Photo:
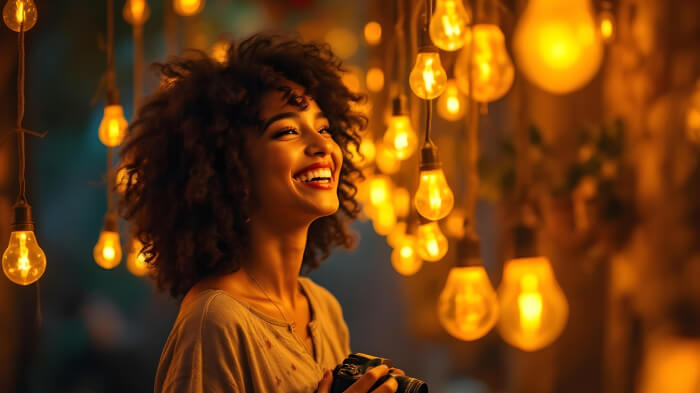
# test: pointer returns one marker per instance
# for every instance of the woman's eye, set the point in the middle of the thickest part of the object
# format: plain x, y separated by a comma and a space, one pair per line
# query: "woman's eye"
325, 129
286, 131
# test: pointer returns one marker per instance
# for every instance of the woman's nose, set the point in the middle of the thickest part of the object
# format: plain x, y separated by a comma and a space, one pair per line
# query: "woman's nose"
318, 144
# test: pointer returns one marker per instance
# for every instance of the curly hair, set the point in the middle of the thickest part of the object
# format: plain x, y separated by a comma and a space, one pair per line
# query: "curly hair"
186, 194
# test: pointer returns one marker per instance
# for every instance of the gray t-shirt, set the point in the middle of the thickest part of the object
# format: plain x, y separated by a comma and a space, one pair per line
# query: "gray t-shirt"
220, 344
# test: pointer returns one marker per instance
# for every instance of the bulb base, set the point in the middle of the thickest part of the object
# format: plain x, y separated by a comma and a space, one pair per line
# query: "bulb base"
111, 224
429, 158
469, 252
524, 241
23, 217
112, 97
398, 105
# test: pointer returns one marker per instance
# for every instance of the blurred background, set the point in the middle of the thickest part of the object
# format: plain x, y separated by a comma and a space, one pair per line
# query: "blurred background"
586, 159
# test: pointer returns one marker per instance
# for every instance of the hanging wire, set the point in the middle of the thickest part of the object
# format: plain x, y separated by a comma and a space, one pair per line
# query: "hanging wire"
20, 116
429, 103
111, 89
401, 46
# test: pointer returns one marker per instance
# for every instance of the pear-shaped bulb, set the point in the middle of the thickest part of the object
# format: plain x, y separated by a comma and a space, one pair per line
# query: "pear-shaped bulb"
449, 25
432, 244
23, 261
188, 7
19, 15
468, 306
135, 260
108, 250
400, 137
452, 105
427, 78
434, 198
113, 126
404, 257
136, 12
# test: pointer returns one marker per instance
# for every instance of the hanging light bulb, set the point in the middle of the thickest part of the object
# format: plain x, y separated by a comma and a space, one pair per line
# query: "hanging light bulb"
427, 78
606, 22
384, 219
404, 257
468, 306
692, 117
557, 45
23, 261
19, 14
434, 198
108, 250
534, 309
135, 260
491, 67
402, 202
432, 244
400, 136
136, 12
451, 105
188, 7
449, 28
113, 126
380, 188
375, 79
386, 160
373, 33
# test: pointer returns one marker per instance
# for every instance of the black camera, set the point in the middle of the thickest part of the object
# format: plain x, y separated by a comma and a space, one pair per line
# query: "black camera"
356, 364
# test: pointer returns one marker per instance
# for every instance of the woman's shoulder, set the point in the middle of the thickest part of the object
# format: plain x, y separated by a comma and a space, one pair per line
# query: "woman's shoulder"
210, 309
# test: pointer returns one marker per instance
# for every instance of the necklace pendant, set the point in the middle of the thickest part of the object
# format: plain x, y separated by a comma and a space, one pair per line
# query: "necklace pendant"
292, 326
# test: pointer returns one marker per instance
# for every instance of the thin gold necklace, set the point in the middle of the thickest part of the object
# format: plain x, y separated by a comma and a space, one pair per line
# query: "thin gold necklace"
292, 325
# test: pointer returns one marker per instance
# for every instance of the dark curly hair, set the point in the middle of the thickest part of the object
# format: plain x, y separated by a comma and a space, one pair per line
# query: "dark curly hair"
186, 194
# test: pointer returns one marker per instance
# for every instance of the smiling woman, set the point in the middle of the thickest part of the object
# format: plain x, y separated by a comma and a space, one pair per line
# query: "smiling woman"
239, 179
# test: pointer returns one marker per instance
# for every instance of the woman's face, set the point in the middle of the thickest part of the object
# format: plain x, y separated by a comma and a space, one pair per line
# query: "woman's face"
296, 162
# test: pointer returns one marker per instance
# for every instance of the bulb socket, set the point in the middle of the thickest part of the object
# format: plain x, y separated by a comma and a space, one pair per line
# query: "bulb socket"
429, 158
111, 224
398, 105
469, 251
112, 97
23, 217
523, 241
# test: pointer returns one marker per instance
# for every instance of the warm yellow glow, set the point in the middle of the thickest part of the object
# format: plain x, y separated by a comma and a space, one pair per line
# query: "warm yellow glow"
135, 260
23, 261
373, 33
402, 202
468, 306
380, 188
384, 219
108, 251
351, 80
366, 154
400, 137
434, 198
606, 25
449, 28
692, 117
113, 127
342, 41
386, 160
671, 363
432, 244
452, 104
396, 234
427, 78
491, 67
188, 7
375, 79
219, 50
404, 257
18, 13
454, 225
534, 309
557, 45
136, 12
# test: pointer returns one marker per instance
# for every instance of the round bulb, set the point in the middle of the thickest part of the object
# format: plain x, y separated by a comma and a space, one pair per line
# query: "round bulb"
434, 198
375, 79
400, 137
373, 33
386, 160
451, 105
113, 126
384, 219
557, 44
468, 306
136, 12
135, 260
449, 28
188, 7
23, 261
19, 14
402, 202
534, 309
427, 79
432, 244
491, 67
404, 257
108, 250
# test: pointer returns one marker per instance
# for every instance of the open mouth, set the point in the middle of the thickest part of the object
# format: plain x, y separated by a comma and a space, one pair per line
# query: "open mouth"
322, 177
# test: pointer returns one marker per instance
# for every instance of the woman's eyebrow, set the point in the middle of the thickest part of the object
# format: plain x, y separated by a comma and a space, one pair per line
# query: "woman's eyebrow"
285, 115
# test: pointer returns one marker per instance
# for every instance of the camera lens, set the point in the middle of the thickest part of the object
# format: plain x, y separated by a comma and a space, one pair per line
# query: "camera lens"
410, 385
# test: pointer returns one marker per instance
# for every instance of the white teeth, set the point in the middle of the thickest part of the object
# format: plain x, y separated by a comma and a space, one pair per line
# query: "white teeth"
315, 173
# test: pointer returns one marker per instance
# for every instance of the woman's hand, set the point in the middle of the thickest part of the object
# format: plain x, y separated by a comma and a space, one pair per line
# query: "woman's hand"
365, 382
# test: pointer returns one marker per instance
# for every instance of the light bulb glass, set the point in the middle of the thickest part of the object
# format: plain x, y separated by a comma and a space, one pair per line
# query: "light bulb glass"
19, 14
23, 261
373, 33
692, 117
449, 28
606, 26
434, 198
375, 79
402, 202
384, 219
400, 137
534, 309
113, 126
454, 225
404, 257
136, 12
188, 7
427, 79
468, 306
108, 251
135, 260
380, 188
432, 244
557, 44
491, 66
386, 160
219, 50
452, 105
396, 234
